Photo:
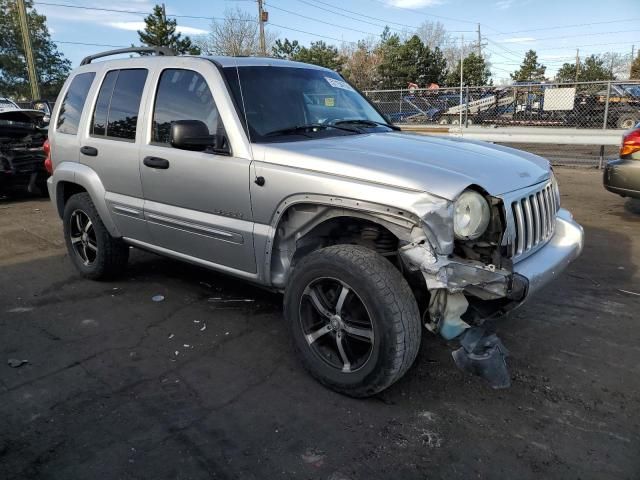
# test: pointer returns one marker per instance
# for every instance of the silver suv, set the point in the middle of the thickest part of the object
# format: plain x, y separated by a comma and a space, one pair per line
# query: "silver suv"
283, 174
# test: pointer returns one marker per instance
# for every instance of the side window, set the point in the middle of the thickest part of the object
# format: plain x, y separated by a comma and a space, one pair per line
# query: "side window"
183, 95
99, 124
116, 111
73, 103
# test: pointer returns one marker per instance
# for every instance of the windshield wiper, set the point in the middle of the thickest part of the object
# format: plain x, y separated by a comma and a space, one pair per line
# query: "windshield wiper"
302, 129
366, 121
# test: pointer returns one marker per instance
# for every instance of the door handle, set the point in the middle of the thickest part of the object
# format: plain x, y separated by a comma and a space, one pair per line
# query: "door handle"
155, 162
89, 151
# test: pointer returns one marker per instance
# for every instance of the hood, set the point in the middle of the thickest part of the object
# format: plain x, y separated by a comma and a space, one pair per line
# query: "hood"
22, 115
442, 166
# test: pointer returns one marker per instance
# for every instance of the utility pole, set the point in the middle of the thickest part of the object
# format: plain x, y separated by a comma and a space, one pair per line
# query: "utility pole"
461, 78
611, 67
479, 42
577, 63
262, 17
633, 51
28, 51
164, 14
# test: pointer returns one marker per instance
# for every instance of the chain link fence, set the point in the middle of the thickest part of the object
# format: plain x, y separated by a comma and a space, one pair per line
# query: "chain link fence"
602, 105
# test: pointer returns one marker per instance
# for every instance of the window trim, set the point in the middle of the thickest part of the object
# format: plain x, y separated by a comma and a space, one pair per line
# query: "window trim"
95, 105
155, 101
84, 104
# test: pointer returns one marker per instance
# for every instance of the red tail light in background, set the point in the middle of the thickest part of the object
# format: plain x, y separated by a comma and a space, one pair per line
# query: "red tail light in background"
47, 161
630, 143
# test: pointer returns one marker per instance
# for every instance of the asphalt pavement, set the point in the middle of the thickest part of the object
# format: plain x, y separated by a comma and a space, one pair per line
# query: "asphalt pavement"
204, 384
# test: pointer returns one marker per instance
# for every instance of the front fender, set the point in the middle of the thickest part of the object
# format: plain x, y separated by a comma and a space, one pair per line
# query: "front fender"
88, 179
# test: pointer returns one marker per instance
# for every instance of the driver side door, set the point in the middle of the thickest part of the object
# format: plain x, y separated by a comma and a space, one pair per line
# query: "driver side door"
197, 203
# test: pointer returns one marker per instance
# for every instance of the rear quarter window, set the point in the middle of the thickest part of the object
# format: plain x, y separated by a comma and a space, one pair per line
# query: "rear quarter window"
73, 103
116, 111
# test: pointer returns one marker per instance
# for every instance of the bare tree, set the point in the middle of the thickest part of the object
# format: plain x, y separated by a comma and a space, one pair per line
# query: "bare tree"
618, 64
433, 34
361, 62
237, 34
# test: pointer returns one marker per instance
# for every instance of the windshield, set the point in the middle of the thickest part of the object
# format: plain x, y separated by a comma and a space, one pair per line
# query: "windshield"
289, 103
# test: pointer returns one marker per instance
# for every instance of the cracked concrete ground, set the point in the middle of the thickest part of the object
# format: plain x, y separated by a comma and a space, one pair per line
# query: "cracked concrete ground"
120, 386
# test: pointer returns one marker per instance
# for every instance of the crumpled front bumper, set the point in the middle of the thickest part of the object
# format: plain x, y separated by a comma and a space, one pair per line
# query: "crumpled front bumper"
486, 282
552, 259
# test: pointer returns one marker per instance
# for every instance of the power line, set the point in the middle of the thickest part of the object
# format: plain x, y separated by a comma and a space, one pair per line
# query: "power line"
134, 12
568, 26
385, 22
313, 34
90, 44
578, 35
271, 5
581, 46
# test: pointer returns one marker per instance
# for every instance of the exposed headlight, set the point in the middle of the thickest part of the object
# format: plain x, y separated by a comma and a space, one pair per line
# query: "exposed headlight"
471, 215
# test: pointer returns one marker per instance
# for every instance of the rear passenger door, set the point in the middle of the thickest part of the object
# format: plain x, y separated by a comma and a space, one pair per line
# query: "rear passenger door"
110, 147
197, 203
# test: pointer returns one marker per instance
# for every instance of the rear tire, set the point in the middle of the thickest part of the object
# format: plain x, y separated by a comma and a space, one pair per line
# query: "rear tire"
627, 121
360, 342
93, 251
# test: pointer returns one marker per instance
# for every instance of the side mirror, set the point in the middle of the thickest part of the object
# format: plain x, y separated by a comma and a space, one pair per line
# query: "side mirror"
194, 135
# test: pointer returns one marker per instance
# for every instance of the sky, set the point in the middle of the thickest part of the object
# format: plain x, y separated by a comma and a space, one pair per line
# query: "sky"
554, 28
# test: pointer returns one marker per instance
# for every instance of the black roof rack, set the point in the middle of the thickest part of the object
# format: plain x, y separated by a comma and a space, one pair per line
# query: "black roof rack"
155, 50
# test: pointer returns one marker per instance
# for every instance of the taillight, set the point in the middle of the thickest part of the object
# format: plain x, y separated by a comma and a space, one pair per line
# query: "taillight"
47, 161
630, 143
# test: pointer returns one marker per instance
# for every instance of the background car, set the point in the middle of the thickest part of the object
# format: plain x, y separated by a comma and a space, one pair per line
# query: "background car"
622, 176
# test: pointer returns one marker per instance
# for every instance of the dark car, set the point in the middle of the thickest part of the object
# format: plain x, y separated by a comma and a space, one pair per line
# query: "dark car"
622, 176
22, 135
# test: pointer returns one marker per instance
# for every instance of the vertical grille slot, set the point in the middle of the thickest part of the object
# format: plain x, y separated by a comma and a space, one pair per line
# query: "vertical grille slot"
534, 219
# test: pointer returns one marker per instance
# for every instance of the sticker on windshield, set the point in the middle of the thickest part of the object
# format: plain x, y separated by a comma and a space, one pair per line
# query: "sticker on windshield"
339, 84
329, 102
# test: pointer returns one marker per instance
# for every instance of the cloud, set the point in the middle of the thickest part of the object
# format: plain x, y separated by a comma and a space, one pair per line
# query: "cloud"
135, 26
518, 40
414, 3
504, 4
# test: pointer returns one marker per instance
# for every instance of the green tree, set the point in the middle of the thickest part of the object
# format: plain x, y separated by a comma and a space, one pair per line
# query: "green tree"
593, 69
319, 53
635, 69
530, 70
410, 62
159, 31
475, 72
390, 47
51, 66
286, 50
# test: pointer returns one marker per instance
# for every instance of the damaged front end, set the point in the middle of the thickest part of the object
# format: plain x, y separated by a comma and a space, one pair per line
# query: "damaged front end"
470, 278
21, 155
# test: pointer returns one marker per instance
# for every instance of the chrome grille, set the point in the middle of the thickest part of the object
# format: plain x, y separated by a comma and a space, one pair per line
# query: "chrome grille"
534, 219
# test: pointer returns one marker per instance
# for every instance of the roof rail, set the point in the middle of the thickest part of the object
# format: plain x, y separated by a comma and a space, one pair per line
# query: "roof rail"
156, 50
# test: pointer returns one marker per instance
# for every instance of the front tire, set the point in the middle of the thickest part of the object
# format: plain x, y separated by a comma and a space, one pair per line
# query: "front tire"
354, 321
93, 251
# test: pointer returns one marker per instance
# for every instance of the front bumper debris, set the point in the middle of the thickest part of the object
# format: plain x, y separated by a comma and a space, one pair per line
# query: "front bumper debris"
487, 282
454, 283
483, 354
